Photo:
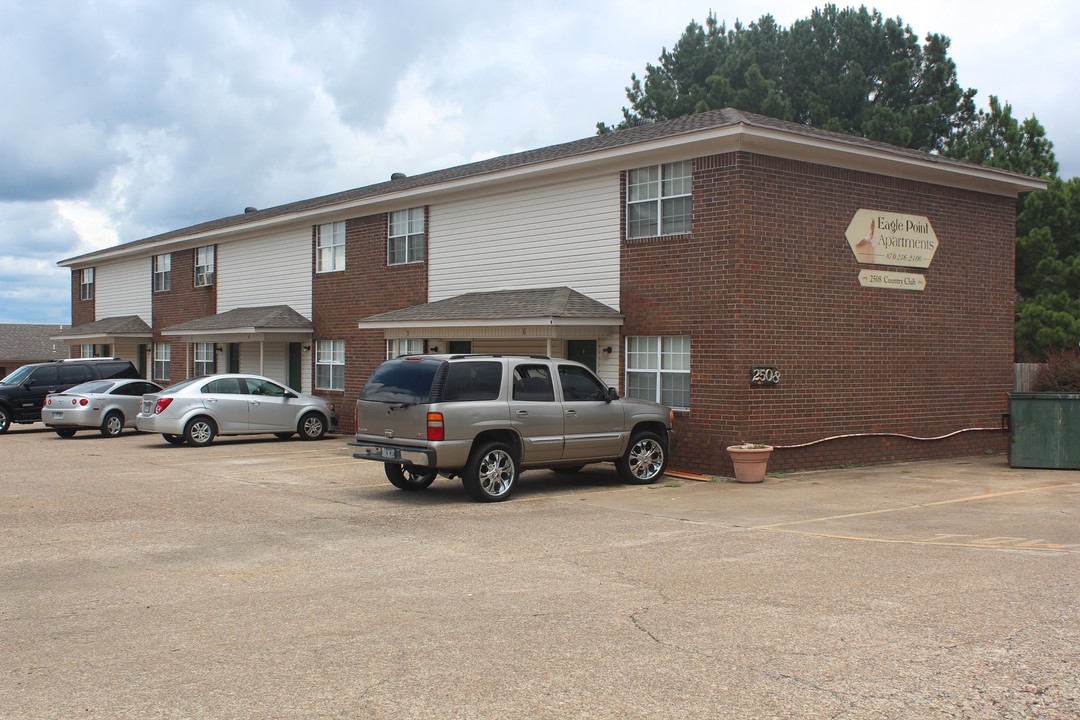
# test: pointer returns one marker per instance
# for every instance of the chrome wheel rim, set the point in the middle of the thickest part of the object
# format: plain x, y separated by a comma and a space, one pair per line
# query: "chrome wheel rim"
113, 426
496, 473
646, 459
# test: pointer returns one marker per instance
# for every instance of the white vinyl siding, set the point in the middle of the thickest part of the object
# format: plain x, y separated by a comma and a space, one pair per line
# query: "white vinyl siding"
273, 269
122, 288
564, 234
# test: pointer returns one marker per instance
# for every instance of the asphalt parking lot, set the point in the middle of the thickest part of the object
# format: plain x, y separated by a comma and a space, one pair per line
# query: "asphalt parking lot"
265, 579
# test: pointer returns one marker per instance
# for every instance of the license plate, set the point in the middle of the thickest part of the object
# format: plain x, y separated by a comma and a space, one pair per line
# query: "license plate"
58, 416
146, 408
389, 453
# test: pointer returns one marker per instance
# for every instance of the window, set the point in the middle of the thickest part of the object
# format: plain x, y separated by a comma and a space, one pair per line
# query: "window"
204, 359
162, 353
162, 272
86, 351
204, 266
473, 381
406, 237
330, 364
532, 383
578, 384
404, 346
658, 369
659, 200
86, 284
330, 248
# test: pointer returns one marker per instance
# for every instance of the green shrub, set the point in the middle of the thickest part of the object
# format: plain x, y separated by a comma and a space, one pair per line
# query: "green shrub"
1060, 374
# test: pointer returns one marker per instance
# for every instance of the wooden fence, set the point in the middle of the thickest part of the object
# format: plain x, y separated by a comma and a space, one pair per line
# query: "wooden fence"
1024, 376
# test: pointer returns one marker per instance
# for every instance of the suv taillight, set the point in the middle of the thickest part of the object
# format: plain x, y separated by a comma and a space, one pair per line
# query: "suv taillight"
162, 403
435, 430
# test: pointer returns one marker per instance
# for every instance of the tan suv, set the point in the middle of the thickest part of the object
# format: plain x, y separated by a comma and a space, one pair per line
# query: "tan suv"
484, 418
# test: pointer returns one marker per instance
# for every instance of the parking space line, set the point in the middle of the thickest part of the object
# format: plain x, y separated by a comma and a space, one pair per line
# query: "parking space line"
954, 501
980, 543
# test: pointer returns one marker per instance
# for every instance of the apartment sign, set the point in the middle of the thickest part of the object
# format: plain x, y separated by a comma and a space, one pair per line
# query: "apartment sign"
878, 237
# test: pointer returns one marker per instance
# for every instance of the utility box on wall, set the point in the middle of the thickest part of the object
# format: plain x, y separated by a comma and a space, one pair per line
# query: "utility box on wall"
1044, 430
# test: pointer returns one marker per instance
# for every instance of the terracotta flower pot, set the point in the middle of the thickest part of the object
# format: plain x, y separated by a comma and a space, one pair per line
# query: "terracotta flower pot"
751, 461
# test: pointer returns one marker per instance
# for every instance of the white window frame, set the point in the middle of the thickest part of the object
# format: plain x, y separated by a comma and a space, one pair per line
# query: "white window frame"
330, 364
404, 346
405, 236
86, 284
162, 272
86, 351
204, 265
162, 361
203, 359
330, 247
659, 200
658, 369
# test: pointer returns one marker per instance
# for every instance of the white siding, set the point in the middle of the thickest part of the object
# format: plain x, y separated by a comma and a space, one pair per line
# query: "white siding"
274, 269
123, 288
565, 234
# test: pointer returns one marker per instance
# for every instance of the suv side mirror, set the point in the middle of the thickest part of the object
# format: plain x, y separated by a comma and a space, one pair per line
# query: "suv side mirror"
612, 394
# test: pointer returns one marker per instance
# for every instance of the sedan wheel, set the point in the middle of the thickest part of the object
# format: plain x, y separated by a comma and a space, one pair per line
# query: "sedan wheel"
174, 439
491, 473
312, 426
645, 460
5, 420
200, 431
113, 424
66, 432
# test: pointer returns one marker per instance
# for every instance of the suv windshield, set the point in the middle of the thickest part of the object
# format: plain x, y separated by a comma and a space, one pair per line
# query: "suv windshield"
407, 380
17, 377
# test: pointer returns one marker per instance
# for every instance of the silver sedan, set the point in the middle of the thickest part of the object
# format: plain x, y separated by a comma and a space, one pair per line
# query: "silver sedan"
108, 406
198, 410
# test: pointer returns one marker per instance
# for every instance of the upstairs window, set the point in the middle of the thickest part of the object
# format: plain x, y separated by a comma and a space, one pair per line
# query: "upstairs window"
406, 237
204, 266
659, 200
162, 272
86, 284
330, 248
658, 369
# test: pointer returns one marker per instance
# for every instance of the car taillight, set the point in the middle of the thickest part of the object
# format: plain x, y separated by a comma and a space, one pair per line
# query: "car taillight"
435, 429
162, 403
84, 402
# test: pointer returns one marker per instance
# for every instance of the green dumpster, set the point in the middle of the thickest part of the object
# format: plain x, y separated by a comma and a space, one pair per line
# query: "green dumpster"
1044, 430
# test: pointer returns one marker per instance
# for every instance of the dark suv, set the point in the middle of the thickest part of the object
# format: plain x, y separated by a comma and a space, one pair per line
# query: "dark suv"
483, 418
23, 392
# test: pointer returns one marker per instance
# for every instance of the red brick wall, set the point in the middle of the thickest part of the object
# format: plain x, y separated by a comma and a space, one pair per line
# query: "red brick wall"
367, 286
767, 278
182, 303
82, 311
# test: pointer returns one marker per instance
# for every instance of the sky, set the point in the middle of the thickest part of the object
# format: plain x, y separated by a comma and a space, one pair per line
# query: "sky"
121, 119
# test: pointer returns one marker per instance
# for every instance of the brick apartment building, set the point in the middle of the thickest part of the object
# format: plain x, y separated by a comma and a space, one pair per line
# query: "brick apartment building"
844, 300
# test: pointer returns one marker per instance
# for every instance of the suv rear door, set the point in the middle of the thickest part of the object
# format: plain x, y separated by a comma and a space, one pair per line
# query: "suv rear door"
536, 413
394, 403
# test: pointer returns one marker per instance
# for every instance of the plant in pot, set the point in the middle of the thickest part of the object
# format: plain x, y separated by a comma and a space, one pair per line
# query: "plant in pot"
751, 460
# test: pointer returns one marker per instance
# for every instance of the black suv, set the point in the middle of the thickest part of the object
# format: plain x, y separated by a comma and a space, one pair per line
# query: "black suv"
484, 418
23, 392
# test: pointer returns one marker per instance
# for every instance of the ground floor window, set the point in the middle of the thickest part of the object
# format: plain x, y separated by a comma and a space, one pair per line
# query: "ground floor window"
330, 364
658, 369
404, 346
162, 356
204, 359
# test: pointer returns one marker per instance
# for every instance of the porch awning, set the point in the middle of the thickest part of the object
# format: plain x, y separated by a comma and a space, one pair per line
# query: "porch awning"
107, 331
556, 312
269, 323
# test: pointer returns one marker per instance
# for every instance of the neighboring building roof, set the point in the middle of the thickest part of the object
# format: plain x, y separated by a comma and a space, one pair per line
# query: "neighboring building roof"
764, 129
119, 326
27, 342
270, 318
550, 305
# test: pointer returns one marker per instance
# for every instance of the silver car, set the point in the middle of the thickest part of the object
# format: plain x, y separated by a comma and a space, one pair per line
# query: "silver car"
108, 406
198, 410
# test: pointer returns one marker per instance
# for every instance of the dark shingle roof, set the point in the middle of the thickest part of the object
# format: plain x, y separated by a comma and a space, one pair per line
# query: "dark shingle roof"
272, 317
129, 325
710, 120
28, 342
556, 302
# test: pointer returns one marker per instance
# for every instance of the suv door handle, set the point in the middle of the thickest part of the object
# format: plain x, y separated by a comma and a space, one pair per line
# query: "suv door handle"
571, 413
523, 413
